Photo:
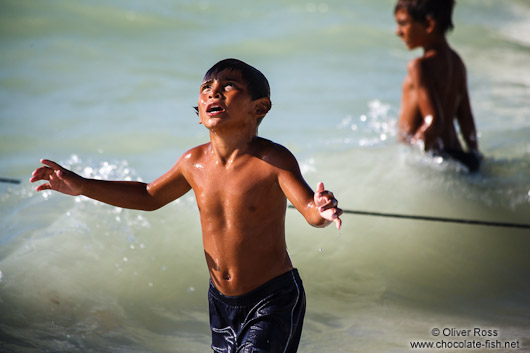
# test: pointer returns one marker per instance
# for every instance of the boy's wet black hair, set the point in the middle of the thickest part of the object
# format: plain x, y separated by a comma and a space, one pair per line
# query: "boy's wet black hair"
440, 10
257, 84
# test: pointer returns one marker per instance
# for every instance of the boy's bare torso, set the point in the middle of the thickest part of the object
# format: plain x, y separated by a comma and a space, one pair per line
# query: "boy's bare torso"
242, 210
443, 72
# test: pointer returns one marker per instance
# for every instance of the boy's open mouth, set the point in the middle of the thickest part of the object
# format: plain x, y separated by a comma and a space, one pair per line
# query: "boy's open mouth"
214, 109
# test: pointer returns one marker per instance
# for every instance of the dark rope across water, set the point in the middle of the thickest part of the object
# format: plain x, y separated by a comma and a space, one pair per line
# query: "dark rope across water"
9, 181
437, 219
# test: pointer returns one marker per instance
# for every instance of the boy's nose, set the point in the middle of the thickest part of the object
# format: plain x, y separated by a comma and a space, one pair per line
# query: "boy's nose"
215, 92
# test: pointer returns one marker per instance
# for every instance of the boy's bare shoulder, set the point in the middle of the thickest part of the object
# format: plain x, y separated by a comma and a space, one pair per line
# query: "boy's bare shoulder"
457, 57
418, 68
414, 64
434, 61
275, 154
458, 62
421, 64
194, 154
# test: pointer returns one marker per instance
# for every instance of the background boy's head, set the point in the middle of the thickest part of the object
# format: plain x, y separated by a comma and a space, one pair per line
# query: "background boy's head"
440, 10
257, 84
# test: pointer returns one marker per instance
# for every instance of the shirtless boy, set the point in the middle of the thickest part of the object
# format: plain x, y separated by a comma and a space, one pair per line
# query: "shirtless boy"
435, 89
241, 183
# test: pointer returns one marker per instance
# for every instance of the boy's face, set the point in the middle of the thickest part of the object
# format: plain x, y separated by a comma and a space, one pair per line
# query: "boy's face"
224, 99
412, 32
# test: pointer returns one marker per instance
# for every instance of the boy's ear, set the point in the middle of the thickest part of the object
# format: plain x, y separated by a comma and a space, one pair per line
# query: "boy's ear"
430, 24
262, 106
197, 112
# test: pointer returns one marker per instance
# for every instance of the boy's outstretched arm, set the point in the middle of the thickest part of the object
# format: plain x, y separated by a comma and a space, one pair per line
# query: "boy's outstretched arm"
318, 208
125, 194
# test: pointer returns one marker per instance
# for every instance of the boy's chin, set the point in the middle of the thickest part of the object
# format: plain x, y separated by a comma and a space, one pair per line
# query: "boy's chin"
412, 46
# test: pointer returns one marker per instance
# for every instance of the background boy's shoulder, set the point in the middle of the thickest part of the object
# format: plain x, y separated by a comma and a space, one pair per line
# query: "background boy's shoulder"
421, 63
458, 61
419, 67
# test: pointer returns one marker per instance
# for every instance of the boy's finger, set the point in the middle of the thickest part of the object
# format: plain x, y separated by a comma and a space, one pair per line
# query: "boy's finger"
40, 173
330, 203
337, 222
43, 187
50, 164
320, 187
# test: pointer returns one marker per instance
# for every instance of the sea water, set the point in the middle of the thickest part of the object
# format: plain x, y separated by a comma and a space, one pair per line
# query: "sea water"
107, 88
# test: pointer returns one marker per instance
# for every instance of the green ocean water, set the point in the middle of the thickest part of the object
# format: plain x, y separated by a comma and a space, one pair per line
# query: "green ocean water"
108, 87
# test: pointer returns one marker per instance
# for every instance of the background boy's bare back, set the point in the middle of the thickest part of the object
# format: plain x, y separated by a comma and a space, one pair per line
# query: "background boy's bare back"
438, 76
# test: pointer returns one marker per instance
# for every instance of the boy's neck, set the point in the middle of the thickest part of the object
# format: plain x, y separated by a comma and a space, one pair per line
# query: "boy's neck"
436, 42
227, 146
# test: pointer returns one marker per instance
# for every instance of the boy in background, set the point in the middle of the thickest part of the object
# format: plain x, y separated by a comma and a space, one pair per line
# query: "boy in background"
435, 89
241, 184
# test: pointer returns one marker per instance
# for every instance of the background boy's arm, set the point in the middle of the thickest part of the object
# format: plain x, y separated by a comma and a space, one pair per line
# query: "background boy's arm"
465, 119
429, 106
126, 194
318, 208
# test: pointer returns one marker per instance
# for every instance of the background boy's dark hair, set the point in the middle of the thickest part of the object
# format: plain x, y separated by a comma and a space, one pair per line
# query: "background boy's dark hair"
440, 10
257, 83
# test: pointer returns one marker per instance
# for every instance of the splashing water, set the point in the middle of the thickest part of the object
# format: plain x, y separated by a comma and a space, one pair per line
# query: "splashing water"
376, 127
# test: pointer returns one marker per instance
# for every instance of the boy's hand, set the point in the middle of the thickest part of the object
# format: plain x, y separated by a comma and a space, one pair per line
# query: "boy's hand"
59, 179
327, 205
